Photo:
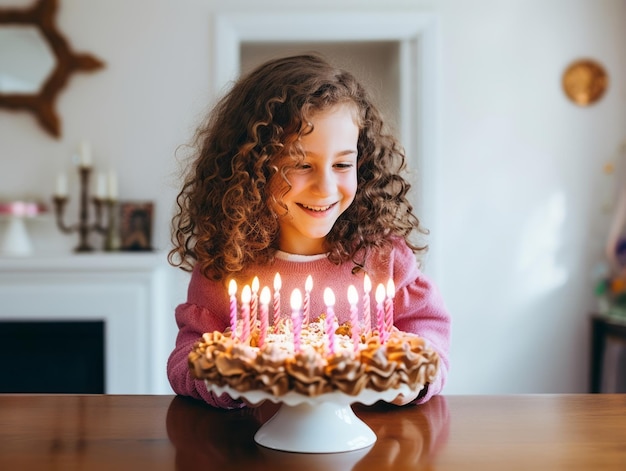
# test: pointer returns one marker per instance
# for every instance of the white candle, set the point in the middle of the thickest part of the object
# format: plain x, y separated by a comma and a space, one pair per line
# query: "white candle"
112, 185
101, 186
353, 298
85, 154
61, 185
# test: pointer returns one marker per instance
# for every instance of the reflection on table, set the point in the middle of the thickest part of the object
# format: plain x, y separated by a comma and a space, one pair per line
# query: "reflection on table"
204, 437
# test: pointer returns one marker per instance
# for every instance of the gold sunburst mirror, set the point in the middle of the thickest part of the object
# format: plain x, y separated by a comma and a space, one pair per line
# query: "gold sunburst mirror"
36, 62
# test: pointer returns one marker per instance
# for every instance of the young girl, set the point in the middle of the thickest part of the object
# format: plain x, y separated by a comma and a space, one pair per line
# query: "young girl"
296, 174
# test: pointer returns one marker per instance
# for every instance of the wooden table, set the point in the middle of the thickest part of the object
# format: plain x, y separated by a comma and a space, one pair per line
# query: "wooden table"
107, 432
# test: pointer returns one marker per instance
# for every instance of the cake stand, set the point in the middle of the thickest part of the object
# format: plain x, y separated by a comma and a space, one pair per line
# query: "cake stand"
15, 241
320, 424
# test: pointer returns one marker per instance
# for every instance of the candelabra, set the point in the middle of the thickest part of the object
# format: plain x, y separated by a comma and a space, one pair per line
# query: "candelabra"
84, 227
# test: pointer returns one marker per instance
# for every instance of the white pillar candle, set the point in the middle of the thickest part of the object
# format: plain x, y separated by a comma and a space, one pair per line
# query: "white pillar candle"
85, 154
61, 185
112, 185
101, 186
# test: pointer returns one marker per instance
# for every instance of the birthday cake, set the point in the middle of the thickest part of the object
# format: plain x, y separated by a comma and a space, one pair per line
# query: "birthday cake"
313, 361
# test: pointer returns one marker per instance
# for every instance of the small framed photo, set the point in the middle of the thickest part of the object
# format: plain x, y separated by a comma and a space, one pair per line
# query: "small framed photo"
136, 225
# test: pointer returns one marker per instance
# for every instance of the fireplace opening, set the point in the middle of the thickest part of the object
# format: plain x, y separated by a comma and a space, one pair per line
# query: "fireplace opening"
65, 357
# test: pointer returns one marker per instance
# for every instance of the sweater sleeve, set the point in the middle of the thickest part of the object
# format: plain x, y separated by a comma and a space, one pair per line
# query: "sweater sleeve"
193, 320
419, 308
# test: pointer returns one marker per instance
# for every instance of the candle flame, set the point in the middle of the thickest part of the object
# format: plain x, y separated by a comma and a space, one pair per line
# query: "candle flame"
296, 299
353, 296
246, 294
265, 295
255, 284
380, 293
232, 287
329, 297
308, 285
391, 288
278, 283
367, 283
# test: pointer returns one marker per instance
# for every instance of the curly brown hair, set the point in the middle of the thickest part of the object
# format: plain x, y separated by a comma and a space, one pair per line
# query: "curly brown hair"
246, 147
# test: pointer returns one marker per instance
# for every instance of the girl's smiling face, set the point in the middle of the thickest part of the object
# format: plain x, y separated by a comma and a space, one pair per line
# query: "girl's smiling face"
324, 185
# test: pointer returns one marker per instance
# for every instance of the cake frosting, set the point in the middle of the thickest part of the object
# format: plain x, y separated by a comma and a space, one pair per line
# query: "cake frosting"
277, 367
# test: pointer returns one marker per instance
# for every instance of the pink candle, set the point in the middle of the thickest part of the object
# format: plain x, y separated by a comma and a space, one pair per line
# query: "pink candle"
246, 294
277, 285
232, 291
329, 300
367, 312
380, 313
296, 319
353, 298
254, 302
391, 292
265, 301
308, 286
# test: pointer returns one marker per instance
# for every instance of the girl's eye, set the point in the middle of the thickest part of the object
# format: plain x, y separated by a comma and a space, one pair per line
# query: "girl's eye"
344, 165
303, 166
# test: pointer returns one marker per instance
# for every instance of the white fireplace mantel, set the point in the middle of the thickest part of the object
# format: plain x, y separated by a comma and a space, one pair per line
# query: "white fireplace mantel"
133, 293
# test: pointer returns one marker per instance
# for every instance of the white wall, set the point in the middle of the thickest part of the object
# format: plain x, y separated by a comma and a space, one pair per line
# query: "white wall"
520, 221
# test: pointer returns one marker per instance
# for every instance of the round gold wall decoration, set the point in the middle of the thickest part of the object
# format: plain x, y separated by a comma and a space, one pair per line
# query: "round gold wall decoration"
585, 82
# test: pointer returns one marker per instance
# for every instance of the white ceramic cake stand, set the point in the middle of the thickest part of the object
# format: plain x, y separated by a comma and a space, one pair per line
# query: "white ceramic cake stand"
320, 424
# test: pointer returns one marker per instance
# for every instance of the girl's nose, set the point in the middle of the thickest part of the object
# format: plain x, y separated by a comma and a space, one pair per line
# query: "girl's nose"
324, 183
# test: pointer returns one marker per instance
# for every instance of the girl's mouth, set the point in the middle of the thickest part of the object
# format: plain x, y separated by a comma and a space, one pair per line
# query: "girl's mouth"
316, 209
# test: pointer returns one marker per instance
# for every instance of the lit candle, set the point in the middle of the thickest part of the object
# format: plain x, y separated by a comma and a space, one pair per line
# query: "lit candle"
246, 294
85, 154
391, 292
296, 319
112, 185
353, 298
254, 303
101, 186
61, 185
308, 286
329, 300
367, 312
277, 285
380, 313
265, 301
232, 291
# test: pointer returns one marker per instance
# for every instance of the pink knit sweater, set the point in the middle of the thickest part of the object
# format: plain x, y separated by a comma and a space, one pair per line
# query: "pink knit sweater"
418, 308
